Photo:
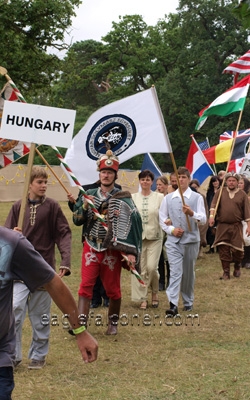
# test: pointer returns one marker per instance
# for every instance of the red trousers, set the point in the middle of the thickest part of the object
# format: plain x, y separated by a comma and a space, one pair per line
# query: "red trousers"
107, 265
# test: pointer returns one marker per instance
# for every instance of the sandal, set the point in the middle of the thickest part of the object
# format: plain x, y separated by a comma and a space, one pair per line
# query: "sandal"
144, 305
155, 303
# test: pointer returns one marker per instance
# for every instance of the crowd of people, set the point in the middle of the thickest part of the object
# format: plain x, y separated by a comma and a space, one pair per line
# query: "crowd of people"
160, 234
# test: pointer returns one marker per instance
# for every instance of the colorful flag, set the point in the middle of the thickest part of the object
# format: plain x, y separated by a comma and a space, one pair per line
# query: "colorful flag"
234, 165
231, 101
197, 164
240, 66
221, 152
230, 134
149, 163
10, 150
131, 126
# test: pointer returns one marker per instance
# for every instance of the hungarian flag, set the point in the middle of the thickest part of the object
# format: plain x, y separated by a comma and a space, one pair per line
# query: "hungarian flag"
221, 152
231, 101
240, 66
10, 150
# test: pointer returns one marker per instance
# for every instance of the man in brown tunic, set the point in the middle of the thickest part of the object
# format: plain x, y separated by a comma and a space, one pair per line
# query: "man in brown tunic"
233, 208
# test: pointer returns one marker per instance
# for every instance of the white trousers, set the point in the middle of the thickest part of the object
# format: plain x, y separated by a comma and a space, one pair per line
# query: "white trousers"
37, 304
182, 259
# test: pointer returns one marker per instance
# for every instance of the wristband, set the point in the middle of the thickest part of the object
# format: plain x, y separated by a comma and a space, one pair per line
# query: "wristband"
79, 330
172, 231
211, 216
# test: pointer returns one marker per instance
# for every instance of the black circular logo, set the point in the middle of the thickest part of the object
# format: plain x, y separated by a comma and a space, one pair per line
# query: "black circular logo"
117, 130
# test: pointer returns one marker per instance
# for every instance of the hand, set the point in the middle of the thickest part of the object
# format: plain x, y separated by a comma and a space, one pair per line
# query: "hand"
17, 229
62, 272
71, 198
88, 346
178, 232
168, 222
131, 258
187, 210
211, 221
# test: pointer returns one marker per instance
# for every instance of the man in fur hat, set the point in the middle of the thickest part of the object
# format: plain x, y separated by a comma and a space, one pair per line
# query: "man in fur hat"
233, 208
102, 247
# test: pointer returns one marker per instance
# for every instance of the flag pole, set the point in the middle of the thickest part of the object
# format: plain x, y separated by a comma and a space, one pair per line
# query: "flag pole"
215, 171
52, 171
171, 153
228, 163
3, 71
200, 151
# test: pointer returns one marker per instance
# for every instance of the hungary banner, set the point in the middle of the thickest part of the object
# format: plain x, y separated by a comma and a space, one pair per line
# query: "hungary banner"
231, 101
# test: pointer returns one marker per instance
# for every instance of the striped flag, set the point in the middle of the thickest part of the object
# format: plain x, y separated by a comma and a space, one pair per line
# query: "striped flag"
10, 150
221, 152
230, 101
196, 162
240, 66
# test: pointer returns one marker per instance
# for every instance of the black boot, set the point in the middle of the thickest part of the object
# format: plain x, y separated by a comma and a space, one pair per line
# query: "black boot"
226, 270
173, 310
237, 271
113, 315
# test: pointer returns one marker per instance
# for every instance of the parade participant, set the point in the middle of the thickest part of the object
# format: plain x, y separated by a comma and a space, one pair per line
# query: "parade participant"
46, 227
233, 208
102, 248
148, 204
182, 243
20, 261
173, 185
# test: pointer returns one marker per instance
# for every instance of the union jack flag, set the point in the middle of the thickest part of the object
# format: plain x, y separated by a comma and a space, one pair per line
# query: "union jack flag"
234, 165
230, 134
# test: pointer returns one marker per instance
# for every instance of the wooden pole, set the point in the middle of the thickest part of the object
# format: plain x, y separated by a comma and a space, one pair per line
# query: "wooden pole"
3, 71
53, 172
171, 153
26, 185
228, 163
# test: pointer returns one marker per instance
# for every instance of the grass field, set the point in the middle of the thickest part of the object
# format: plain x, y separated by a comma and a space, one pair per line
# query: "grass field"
205, 357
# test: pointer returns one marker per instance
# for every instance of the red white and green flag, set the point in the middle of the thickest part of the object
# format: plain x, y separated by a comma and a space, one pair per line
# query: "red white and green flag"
10, 150
231, 101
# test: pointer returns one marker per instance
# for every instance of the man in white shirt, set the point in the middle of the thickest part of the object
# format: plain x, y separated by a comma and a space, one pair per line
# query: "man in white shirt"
183, 240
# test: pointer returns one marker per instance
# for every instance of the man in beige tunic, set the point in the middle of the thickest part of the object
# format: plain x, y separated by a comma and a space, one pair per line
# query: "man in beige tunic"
233, 208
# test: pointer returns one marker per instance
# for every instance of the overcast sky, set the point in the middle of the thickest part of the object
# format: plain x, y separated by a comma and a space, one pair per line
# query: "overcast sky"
94, 17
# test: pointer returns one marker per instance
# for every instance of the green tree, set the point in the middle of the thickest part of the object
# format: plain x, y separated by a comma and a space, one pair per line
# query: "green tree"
29, 30
209, 35
183, 56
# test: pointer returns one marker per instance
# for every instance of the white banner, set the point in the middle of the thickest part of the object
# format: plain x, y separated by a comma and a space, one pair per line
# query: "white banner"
131, 126
245, 167
37, 124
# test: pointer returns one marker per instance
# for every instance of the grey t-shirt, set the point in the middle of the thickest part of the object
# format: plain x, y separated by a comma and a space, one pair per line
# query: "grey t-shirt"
18, 261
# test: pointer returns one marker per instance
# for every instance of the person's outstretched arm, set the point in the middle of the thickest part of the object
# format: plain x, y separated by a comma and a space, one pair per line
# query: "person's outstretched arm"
63, 298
